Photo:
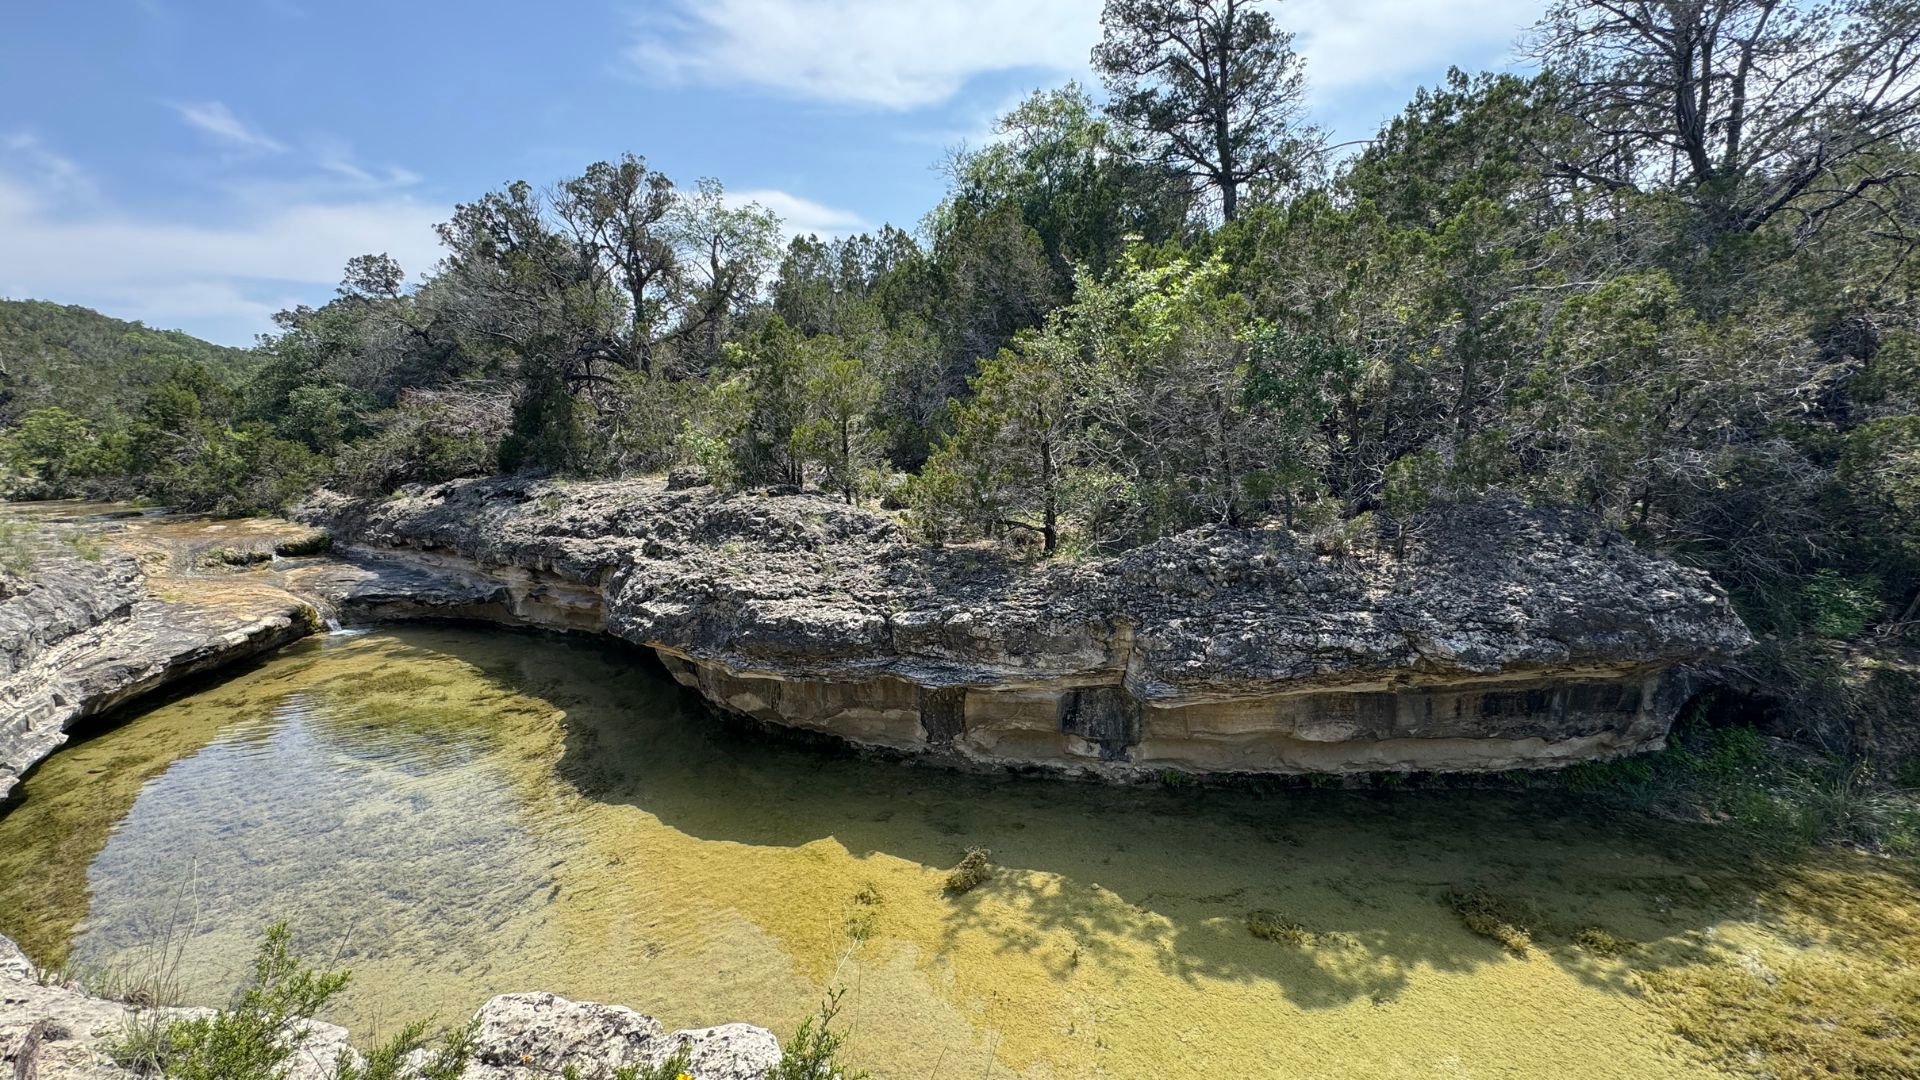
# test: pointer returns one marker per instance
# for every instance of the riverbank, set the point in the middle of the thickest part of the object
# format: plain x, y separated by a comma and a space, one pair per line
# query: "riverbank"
52, 1028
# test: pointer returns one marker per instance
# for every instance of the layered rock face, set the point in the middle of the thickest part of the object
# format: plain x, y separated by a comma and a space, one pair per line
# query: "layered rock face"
1492, 637
84, 633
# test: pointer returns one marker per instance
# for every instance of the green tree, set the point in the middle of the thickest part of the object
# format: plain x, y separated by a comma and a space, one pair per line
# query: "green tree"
1216, 86
841, 392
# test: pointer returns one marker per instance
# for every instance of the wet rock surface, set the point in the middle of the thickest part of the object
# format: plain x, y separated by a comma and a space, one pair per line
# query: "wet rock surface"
1491, 637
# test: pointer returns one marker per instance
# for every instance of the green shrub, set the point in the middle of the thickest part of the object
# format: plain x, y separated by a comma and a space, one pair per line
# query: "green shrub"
1839, 608
388, 1061
253, 1038
814, 1051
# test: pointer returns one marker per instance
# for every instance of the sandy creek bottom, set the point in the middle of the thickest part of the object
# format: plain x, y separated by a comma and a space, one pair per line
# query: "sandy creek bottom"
455, 813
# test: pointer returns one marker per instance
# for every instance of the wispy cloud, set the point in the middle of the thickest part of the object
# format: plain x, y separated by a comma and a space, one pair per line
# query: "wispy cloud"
800, 216
215, 119
222, 279
879, 53
902, 56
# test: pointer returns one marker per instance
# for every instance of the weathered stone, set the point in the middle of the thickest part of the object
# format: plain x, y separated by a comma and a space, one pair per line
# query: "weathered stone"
517, 1036
1498, 637
78, 1029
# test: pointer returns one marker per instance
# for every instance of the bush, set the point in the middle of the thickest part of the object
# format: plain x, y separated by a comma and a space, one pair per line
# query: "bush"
253, 1039
814, 1051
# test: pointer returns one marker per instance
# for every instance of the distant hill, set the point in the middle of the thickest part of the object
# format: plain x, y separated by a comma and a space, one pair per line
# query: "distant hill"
92, 364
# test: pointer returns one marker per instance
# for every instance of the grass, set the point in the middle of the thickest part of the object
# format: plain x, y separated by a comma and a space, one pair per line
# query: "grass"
1508, 923
85, 544
16, 548
1783, 801
974, 869
253, 1038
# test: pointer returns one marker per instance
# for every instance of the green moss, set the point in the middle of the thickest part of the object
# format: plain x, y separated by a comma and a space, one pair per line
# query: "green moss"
1600, 943
314, 543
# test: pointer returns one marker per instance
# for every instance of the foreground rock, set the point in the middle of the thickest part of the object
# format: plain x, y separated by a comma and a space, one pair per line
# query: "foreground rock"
1496, 638
65, 1034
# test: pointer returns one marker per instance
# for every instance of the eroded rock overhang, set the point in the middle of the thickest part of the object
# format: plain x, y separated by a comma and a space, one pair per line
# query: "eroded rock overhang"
1490, 637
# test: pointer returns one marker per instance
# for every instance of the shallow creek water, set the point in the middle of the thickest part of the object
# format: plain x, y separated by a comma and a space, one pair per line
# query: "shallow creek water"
455, 813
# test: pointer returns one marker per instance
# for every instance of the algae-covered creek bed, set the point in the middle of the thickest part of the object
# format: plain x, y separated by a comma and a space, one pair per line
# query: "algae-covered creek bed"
455, 813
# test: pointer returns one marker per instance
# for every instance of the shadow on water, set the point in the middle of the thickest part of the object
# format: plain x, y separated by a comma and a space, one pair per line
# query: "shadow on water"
1181, 868
479, 811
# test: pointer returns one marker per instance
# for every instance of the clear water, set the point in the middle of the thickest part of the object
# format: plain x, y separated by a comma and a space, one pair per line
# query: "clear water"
455, 813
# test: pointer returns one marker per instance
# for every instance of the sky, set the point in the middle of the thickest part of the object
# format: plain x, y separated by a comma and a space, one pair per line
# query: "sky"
201, 164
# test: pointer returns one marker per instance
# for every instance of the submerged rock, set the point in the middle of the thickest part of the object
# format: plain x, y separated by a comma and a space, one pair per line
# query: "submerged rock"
1496, 637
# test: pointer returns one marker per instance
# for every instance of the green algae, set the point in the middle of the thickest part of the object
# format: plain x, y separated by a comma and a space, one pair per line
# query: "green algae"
457, 813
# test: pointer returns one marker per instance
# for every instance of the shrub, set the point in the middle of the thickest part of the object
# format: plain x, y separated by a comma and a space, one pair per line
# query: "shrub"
254, 1038
814, 1051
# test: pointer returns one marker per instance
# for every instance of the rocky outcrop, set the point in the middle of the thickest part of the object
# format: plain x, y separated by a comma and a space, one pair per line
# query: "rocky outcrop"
82, 635
1491, 637
63, 1033
110, 611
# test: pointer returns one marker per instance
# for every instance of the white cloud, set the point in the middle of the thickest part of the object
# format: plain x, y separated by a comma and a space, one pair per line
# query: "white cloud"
799, 216
1354, 43
215, 119
897, 55
883, 53
221, 280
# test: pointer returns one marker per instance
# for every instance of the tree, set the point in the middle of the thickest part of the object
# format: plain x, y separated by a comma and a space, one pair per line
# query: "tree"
1005, 463
1077, 179
1750, 108
1215, 86
728, 251
842, 391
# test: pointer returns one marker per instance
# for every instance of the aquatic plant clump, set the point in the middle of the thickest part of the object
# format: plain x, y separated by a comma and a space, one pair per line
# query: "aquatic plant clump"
1272, 926
1507, 923
974, 869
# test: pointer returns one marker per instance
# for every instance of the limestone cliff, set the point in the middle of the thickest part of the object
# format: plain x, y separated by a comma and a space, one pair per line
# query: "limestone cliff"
1491, 637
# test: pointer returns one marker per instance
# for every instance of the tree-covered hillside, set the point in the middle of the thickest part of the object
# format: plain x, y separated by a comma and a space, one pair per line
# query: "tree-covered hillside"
93, 365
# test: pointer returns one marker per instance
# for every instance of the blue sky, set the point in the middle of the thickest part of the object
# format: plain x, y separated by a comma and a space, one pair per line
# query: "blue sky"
202, 163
